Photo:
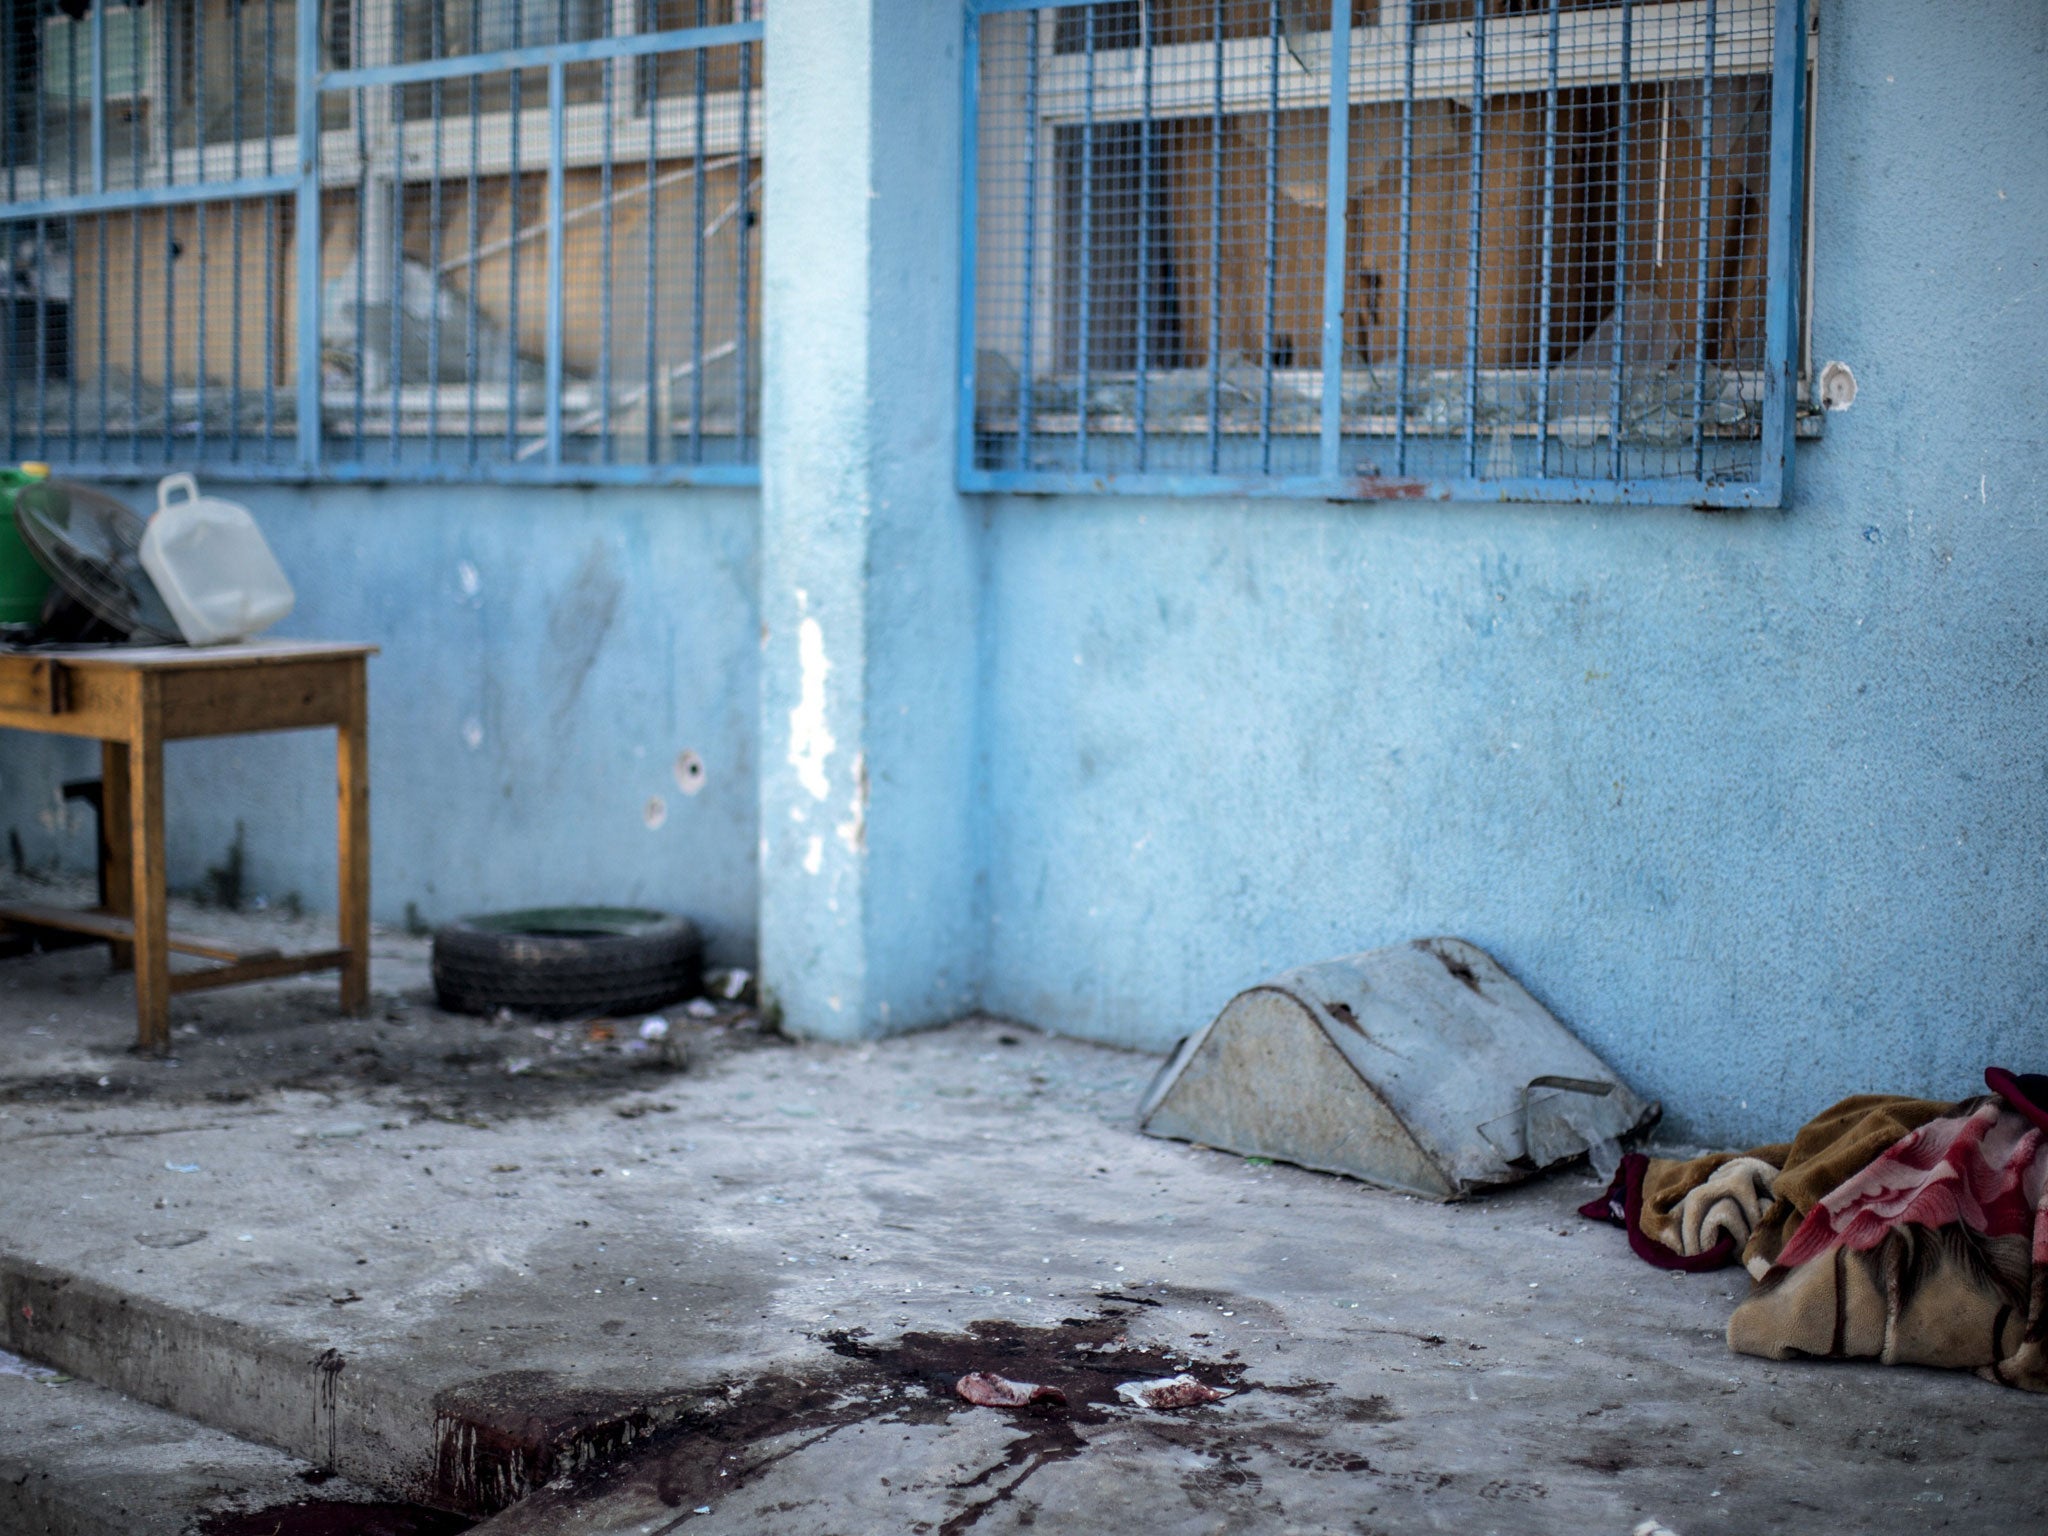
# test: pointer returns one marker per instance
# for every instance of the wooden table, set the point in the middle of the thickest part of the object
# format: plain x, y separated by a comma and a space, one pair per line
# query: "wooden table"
133, 700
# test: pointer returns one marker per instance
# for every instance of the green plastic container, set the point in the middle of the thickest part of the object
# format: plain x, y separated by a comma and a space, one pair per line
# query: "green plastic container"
23, 581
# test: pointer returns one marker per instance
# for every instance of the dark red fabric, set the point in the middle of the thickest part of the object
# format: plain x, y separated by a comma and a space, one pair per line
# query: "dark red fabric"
1612, 1207
1622, 1206
2025, 1092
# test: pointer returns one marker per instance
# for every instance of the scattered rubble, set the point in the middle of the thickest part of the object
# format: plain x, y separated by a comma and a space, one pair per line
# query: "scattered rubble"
417, 1061
1182, 1391
28, 1370
984, 1389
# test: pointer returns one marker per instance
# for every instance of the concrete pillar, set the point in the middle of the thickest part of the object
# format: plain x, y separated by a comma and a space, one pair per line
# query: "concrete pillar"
871, 898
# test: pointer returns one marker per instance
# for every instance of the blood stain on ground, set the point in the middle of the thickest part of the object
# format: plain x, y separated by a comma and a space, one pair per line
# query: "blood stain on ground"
332, 1517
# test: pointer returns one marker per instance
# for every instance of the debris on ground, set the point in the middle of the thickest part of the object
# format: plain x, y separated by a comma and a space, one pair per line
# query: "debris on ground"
1423, 1067
985, 1389
417, 1060
734, 984
1903, 1230
14, 1365
1181, 1391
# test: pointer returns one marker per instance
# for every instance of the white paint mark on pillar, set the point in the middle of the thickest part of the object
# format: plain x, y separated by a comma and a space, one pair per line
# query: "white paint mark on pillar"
472, 733
814, 855
810, 739
469, 578
654, 813
853, 831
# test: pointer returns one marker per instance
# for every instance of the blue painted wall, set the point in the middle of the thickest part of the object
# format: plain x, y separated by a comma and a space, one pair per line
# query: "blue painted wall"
1758, 804
547, 657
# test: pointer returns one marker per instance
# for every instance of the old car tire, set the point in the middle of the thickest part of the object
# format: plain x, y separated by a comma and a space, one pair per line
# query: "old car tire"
561, 961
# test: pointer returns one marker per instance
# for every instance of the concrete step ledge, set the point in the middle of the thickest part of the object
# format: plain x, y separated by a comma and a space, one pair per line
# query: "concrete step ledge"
470, 1446
79, 1460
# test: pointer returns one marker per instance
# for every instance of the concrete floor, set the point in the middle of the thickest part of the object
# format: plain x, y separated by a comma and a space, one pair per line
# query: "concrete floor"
467, 1263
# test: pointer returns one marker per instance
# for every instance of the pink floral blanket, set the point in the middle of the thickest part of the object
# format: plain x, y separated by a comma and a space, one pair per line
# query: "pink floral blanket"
1934, 1253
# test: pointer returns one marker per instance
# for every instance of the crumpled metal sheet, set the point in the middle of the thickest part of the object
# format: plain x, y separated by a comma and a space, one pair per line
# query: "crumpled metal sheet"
1423, 1067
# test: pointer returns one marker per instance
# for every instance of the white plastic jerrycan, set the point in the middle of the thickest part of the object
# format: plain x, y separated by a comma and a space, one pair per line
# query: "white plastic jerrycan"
208, 559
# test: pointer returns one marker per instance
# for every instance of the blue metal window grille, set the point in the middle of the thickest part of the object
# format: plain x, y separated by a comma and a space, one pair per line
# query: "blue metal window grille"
534, 229
1487, 250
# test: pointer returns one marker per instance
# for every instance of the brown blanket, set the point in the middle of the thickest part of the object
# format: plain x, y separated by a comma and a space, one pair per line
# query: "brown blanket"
1829, 1148
1897, 1229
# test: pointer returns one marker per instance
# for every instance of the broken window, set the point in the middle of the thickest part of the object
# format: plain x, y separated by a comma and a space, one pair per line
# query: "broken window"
1492, 248
535, 222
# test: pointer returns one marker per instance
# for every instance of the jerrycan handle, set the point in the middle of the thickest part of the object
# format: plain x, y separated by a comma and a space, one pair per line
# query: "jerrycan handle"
170, 483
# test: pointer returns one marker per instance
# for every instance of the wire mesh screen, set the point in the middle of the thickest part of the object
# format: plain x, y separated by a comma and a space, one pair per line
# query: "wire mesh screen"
181, 93
535, 226
145, 319
1493, 247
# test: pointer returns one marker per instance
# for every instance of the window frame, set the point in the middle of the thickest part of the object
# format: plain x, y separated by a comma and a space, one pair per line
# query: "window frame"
1344, 68
724, 127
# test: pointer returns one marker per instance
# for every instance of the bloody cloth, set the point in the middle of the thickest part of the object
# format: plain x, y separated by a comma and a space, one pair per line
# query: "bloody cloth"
1936, 1253
1930, 1248
1836, 1143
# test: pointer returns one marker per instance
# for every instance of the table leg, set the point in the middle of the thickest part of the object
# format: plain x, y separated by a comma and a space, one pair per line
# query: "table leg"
146, 872
352, 763
117, 872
